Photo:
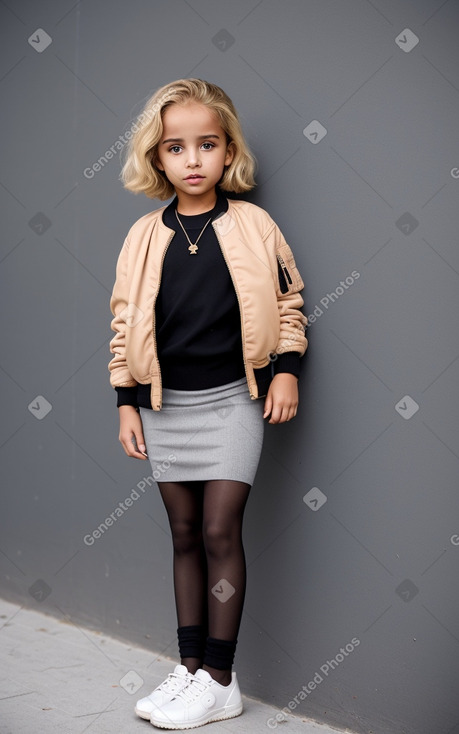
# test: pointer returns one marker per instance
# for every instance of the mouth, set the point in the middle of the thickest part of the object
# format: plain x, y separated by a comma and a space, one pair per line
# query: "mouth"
193, 176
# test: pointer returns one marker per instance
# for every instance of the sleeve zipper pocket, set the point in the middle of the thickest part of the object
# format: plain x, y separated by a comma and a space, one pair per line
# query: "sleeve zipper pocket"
284, 275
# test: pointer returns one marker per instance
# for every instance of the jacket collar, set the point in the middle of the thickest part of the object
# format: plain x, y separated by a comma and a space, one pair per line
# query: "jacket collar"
221, 206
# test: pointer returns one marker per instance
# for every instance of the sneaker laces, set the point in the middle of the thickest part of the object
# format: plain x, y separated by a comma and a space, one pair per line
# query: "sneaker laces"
172, 683
194, 689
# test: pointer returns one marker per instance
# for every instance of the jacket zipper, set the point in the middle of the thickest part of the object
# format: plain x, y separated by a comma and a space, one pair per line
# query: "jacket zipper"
285, 271
154, 319
253, 397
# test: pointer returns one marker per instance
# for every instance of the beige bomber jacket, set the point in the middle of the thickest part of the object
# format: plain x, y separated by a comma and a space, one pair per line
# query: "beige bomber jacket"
266, 281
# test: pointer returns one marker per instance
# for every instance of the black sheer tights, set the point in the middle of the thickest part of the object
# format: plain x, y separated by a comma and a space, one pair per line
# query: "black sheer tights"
209, 562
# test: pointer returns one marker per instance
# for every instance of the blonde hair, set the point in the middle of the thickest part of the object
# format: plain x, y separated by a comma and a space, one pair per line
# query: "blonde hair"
139, 173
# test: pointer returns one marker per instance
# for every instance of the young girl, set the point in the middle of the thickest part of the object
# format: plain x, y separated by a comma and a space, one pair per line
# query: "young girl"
207, 322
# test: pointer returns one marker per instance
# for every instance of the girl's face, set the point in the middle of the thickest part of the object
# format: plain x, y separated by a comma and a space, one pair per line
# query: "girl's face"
192, 151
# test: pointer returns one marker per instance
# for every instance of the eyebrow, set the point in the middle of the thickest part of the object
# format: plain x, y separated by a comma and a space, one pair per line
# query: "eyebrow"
180, 140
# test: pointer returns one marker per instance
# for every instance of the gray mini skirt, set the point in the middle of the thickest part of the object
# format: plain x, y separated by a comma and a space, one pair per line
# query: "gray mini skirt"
216, 433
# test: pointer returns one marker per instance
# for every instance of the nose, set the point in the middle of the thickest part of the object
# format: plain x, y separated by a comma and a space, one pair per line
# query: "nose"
193, 158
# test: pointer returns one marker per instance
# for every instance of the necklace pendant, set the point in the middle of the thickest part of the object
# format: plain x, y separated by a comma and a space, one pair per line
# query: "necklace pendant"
193, 249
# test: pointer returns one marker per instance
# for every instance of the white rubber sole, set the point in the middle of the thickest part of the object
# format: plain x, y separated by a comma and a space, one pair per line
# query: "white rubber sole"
142, 714
229, 713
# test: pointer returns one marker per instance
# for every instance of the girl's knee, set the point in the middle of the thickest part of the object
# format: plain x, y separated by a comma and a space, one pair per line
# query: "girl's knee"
220, 540
186, 537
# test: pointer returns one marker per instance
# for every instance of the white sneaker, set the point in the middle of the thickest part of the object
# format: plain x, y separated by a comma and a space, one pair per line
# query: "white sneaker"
164, 692
199, 702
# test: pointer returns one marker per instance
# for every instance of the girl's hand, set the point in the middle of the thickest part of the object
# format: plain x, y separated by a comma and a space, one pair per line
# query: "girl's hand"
131, 428
282, 398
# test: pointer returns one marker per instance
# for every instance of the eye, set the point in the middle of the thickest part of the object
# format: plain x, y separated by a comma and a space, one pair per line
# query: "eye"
175, 148
211, 145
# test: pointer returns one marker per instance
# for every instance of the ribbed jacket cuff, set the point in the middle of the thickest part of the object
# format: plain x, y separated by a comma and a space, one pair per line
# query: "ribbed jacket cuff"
288, 362
127, 396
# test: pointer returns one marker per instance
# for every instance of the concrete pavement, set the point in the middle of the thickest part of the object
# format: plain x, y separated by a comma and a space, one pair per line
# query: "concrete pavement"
60, 678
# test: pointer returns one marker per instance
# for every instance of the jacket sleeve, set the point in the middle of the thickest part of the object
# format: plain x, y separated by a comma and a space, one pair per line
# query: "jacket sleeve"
119, 306
289, 283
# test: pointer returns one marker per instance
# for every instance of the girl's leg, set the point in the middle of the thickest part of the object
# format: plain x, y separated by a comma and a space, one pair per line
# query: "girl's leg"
184, 506
223, 511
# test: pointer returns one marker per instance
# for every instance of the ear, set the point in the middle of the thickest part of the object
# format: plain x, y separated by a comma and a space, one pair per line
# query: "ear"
230, 153
155, 162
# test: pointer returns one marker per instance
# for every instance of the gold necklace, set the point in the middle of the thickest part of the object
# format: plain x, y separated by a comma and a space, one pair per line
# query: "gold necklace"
193, 248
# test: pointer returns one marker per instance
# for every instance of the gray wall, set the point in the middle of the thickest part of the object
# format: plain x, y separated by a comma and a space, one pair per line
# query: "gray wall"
352, 527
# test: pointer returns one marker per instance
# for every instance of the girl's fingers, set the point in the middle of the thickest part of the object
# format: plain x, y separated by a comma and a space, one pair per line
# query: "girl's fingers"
141, 444
268, 405
131, 433
276, 413
282, 413
130, 448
